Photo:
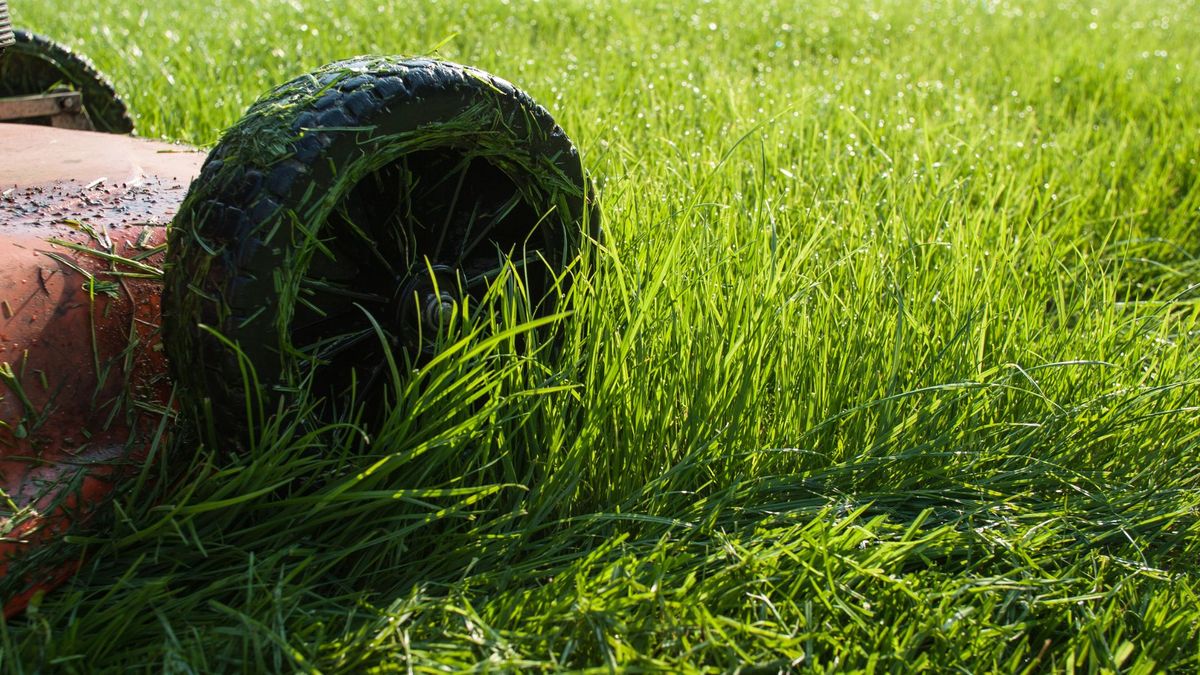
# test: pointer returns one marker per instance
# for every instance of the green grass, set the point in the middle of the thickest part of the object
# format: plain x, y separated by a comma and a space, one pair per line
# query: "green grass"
890, 360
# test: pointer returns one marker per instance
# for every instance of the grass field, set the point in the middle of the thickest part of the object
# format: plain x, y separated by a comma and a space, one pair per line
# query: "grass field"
889, 360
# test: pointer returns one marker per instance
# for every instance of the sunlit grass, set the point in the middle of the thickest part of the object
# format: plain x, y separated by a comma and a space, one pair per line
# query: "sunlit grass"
889, 356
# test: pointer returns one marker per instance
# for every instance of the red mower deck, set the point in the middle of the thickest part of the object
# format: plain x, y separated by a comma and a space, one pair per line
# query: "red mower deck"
83, 384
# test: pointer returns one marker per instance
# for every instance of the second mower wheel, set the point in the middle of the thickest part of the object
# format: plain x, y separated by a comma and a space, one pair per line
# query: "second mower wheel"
35, 65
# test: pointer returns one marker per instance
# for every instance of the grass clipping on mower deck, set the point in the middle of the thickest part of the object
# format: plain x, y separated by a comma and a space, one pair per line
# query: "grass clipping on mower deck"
295, 232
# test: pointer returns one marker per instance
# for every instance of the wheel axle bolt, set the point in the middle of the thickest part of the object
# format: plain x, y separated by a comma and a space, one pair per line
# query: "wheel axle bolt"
439, 310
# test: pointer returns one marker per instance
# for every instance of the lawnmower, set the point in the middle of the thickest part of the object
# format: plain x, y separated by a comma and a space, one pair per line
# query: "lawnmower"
353, 216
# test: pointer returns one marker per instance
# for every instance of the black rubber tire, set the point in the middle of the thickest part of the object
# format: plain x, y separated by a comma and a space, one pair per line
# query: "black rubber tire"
322, 152
35, 64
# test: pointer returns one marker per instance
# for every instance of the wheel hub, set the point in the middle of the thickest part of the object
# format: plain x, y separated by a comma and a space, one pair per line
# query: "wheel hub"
439, 310
428, 303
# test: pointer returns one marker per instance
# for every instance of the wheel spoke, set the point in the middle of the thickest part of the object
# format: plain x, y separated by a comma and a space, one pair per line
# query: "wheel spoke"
328, 347
503, 212
480, 278
450, 208
314, 316
324, 287
370, 247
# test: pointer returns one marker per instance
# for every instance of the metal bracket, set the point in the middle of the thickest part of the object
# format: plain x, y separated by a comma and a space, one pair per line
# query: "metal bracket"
6, 33
62, 109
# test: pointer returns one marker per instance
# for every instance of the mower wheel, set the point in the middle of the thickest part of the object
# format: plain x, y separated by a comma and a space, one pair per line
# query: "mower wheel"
361, 209
34, 64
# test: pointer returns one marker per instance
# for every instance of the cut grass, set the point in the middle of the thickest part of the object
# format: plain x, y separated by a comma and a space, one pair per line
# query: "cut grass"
888, 360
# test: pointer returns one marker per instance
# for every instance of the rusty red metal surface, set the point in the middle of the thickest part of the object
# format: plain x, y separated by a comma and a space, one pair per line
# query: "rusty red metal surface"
83, 388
